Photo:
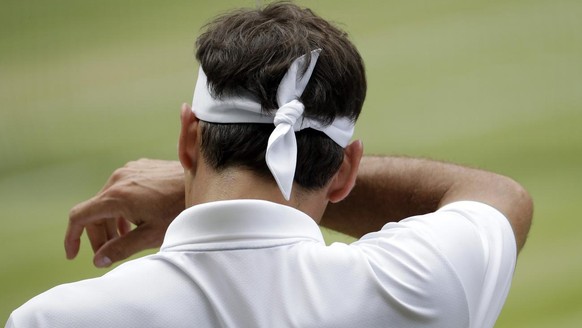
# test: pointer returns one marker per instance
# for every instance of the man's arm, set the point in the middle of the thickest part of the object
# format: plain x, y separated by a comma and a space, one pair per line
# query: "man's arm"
150, 194
147, 193
392, 188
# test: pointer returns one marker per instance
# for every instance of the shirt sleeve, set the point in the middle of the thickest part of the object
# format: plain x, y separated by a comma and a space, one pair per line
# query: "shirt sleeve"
457, 261
485, 267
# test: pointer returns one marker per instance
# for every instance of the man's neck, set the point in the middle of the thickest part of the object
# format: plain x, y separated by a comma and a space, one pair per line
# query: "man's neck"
209, 186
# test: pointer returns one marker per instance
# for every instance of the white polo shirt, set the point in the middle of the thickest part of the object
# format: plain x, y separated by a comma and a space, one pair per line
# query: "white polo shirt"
251, 263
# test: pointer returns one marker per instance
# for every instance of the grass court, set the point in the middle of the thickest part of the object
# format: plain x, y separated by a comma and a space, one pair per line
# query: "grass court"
86, 86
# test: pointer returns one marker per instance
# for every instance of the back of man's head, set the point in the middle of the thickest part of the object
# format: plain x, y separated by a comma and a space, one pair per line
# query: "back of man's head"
247, 52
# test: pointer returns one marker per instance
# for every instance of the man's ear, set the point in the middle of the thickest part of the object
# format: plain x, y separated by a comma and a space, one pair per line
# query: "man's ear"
345, 179
188, 142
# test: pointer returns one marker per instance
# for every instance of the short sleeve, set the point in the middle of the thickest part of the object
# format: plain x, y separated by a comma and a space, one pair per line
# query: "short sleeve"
455, 262
484, 257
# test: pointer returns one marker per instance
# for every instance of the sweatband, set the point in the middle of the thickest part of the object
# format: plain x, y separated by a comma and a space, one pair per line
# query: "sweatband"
281, 154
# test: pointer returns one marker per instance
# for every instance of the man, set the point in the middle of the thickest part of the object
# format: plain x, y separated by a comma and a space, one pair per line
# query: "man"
263, 150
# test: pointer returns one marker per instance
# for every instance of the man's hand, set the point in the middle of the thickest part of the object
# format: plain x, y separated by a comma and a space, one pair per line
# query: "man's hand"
147, 193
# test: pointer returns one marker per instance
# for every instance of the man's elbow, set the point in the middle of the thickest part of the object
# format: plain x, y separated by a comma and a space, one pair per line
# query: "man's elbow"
520, 211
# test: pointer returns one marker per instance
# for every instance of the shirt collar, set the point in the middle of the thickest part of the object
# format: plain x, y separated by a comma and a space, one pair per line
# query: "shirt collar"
239, 224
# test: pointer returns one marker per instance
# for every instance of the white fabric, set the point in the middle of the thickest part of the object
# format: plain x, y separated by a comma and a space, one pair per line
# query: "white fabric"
281, 155
250, 263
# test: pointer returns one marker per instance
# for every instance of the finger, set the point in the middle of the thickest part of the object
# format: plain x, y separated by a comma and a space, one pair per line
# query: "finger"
72, 244
111, 229
123, 226
82, 215
101, 232
122, 247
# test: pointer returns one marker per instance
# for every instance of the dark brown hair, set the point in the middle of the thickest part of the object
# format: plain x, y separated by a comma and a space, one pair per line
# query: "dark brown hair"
248, 51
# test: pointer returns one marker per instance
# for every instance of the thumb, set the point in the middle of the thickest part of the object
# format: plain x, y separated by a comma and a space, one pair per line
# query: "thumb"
122, 247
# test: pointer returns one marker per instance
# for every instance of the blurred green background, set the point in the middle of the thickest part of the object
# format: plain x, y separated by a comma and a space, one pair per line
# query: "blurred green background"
86, 86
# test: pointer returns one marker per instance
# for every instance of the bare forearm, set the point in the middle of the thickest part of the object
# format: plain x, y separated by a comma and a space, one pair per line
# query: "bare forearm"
381, 195
392, 188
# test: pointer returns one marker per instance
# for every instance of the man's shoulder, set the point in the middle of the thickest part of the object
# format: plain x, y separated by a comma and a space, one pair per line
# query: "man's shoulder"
97, 302
465, 250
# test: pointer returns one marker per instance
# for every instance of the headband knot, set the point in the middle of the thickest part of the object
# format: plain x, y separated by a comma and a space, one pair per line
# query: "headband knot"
281, 153
289, 113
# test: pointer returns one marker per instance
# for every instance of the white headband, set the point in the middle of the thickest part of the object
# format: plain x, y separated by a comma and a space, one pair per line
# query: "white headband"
281, 155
